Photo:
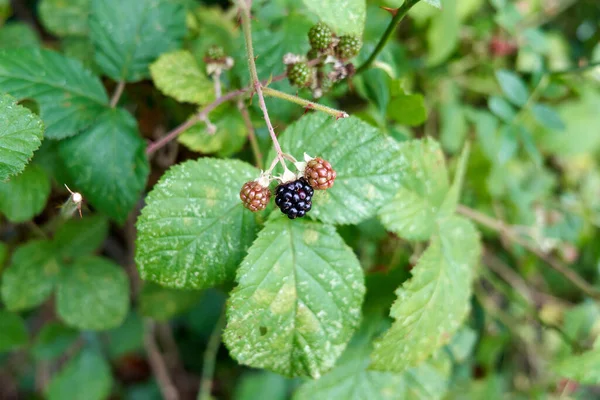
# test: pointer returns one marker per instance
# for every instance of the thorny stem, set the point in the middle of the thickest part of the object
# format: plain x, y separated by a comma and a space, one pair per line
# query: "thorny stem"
258, 157
246, 27
117, 94
400, 14
309, 105
157, 363
210, 356
507, 232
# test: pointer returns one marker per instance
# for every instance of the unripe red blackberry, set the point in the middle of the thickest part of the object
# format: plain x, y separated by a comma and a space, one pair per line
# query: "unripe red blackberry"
319, 174
348, 47
254, 196
320, 37
299, 74
294, 199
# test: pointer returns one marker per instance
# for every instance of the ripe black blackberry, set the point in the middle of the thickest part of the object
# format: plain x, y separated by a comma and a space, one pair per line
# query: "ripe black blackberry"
294, 199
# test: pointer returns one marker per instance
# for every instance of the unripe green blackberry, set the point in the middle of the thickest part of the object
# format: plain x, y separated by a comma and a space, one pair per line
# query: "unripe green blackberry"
348, 47
326, 84
215, 54
320, 36
299, 74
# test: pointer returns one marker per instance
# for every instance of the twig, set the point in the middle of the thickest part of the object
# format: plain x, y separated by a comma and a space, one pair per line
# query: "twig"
258, 157
305, 103
217, 81
581, 68
400, 13
117, 94
509, 233
210, 355
157, 363
246, 27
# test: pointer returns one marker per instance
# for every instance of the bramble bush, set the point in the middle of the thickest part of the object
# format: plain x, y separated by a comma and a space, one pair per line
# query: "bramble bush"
360, 199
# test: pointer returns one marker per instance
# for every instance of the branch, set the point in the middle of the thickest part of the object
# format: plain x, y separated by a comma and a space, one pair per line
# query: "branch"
305, 103
117, 94
210, 355
157, 363
398, 16
507, 232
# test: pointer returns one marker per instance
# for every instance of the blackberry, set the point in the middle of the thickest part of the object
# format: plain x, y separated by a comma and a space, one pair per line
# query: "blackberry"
299, 74
294, 199
254, 196
320, 37
319, 174
215, 54
348, 47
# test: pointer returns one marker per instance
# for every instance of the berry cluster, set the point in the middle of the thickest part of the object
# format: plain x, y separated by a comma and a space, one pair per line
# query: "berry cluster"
331, 54
294, 198
294, 194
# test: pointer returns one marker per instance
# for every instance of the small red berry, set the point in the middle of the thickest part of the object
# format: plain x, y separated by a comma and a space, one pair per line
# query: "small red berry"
319, 174
254, 196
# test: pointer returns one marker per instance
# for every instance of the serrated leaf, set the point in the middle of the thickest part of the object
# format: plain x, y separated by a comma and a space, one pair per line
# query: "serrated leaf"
345, 17
130, 34
107, 163
21, 133
432, 305
161, 303
25, 195
79, 237
583, 368
298, 299
367, 164
65, 18
352, 380
93, 294
31, 276
194, 230
86, 376
513, 87
413, 211
408, 109
53, 341
177, 74
69, 96
15, 35
228, 139
13, 332
548, 117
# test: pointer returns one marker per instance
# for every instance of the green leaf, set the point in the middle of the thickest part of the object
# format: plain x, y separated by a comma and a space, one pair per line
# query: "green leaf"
298, 299
412, 213
126, 338
433, 303
229, 138
270, 386
502, 108
5, 10
25, 195
177, 74
548, 117
435, 3
352, 380
15, 35
345, 17
513, 87
194, 230
65, 17
130, 34
107, 163
161, 303
31, 276
79, 237
86, 376
69, 96
367, 163
453, 196
13, 332
443, 33
53, 341
21, 134
93, 294
408, 109
583, 368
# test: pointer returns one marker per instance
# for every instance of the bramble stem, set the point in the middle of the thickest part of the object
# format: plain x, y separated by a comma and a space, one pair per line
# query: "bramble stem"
246, 27
117, 94
157, 363
507, 232
400, 13
304, 103
210, 355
